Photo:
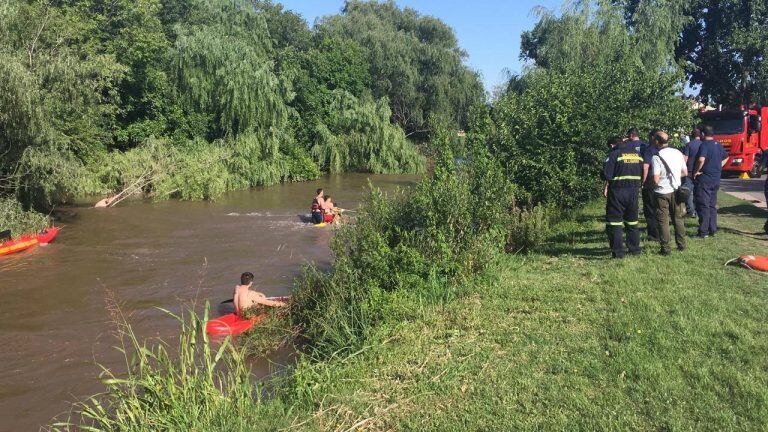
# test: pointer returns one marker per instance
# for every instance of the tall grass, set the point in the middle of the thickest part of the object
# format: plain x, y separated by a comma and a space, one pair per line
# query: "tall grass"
195, 385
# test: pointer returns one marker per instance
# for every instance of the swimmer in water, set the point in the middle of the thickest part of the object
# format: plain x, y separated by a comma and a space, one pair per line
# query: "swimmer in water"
106, 202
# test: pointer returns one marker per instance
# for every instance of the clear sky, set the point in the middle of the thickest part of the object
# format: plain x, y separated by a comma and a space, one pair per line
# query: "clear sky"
489, 30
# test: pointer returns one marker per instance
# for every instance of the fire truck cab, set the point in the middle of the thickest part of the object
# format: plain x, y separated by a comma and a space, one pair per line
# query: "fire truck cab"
743, 133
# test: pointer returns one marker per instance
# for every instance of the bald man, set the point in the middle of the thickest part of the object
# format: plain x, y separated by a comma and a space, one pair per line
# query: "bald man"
669, 170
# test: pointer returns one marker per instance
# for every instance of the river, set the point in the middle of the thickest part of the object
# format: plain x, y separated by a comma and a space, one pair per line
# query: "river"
54, 326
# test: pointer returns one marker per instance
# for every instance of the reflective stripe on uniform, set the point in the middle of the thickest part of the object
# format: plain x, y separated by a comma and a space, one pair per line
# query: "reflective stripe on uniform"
627, 178
615, 223
629, 157
632, 223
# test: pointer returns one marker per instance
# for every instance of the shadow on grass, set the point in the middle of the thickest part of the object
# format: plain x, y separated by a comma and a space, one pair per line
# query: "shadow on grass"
743, 210
590, 244
759, 235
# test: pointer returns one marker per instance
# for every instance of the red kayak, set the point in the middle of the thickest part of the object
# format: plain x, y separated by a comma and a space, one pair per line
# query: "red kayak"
233, 324
28, 241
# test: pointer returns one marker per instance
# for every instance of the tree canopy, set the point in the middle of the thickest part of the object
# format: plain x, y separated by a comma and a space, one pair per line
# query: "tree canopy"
414, 60
88, 85
722, 45
592, 77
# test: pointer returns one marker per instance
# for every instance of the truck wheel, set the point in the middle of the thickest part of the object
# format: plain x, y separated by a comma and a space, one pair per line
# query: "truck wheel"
756, 171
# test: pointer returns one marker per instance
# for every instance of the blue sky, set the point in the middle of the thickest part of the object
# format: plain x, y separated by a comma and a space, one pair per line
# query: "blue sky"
488, 30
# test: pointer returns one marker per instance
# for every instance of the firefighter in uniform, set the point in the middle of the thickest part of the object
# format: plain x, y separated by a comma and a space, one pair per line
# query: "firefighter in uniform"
623, 172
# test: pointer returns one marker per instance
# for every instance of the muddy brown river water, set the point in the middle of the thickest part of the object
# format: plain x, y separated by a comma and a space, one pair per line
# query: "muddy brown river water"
54, 327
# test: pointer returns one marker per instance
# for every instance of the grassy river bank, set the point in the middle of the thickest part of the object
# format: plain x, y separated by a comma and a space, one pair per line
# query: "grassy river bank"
567, 339
561, 338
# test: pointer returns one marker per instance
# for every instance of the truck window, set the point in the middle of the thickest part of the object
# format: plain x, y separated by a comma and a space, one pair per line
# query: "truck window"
727, 126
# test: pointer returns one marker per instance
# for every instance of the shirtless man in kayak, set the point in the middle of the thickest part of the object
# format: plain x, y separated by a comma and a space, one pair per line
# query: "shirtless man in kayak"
318, 207
331, 212
244, 298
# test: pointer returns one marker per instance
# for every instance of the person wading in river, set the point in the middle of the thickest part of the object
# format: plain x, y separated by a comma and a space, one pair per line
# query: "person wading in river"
318, 207
244, 298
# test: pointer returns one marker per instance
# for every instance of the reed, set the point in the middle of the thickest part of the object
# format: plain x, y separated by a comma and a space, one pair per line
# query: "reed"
195, 385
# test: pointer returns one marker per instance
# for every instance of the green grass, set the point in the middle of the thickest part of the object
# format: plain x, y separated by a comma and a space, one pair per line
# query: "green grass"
563, 339
568, 339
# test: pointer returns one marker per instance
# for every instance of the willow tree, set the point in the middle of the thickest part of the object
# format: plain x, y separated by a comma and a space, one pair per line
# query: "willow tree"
54, 101
224, 69
414, 61
360, 137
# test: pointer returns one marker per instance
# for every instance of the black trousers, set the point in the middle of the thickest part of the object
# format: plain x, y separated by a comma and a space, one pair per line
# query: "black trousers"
705, 196
621, 211
766, 191
649, 212
765, 227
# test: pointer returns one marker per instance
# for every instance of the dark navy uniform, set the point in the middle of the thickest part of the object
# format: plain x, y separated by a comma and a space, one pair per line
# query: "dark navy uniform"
624, 171
648, 151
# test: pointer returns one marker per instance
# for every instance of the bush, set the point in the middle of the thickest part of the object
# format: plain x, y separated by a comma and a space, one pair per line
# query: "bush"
14, 218
197, 169
50, 175
529, 228
425, 242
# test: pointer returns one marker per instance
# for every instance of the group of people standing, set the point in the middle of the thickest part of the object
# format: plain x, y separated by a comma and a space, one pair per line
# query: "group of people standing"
674, 184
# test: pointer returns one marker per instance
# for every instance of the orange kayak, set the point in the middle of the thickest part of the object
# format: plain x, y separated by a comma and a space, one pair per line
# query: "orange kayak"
28, 241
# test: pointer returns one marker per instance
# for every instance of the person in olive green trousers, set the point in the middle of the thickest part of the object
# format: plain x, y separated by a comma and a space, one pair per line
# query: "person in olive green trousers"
669, 170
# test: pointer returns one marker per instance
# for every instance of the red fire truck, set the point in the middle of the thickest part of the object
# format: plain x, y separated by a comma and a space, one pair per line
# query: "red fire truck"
743, 133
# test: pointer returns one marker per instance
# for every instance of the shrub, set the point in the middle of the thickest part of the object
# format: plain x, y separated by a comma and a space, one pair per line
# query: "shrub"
14, 218
424, 242
197, 169
51, 174
528, 228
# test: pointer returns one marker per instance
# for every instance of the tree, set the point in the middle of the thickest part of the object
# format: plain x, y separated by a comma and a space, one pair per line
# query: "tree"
593, 78
414, 61
358, 136
723, 46
222, 60
56, 99
286, 28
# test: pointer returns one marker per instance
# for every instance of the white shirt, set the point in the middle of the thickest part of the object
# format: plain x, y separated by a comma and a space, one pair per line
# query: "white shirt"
668, 182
